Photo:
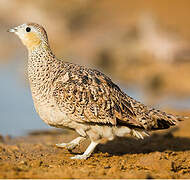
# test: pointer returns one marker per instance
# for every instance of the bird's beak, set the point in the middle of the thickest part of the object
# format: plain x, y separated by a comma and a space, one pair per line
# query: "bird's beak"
12, 29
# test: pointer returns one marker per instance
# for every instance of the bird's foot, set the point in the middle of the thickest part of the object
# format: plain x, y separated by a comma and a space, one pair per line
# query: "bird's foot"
69, 146
83, 156
88, 151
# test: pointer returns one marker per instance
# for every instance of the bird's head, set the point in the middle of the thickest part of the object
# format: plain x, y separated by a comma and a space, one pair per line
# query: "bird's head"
32, 35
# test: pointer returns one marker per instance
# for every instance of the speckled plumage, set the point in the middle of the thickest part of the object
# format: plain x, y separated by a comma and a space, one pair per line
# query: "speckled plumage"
84, 99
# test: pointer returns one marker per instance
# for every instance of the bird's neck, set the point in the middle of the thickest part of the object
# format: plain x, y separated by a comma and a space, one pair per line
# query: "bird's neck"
41, 55
40, 48
42, 68
41, 63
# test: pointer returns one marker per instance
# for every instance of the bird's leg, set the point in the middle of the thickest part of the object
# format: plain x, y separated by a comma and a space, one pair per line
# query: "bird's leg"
71, 145
88, 151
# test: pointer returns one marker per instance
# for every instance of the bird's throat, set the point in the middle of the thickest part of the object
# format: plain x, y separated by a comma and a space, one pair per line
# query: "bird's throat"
31, 41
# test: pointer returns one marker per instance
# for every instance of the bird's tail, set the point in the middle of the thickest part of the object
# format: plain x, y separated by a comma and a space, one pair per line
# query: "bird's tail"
163, 120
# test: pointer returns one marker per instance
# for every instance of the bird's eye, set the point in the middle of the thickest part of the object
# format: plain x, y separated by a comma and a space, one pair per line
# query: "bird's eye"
28, 29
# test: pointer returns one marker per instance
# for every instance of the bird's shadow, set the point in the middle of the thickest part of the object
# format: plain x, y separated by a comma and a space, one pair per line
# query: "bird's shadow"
156, 142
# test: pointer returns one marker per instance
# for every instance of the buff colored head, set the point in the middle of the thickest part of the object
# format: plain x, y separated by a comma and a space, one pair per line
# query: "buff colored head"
31, 34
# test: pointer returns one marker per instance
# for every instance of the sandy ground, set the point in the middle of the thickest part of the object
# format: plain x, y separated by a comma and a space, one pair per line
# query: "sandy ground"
163, 155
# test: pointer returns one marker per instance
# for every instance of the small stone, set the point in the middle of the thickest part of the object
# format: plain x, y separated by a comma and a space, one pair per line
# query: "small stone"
23, 163
107, 167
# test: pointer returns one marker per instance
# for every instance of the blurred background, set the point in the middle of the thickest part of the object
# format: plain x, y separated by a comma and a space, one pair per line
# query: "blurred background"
144, 46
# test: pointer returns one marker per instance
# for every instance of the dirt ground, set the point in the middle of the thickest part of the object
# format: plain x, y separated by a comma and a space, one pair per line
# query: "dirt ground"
163, 155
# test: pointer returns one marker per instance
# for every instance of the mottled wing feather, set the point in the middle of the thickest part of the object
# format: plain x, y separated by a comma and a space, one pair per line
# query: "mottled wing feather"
92, 97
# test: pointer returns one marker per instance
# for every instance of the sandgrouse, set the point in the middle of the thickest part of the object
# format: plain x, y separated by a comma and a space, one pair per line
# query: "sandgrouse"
83, 99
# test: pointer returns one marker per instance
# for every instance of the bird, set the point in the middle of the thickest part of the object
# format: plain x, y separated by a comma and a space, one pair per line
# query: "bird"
74, 96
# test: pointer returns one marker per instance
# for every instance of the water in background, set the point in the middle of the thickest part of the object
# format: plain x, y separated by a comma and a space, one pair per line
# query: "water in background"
17, 113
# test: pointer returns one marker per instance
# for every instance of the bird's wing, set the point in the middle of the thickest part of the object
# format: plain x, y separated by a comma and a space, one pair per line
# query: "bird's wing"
91, 97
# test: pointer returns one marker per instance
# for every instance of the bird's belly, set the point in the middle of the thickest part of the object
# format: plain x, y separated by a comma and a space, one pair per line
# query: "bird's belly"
52, 115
